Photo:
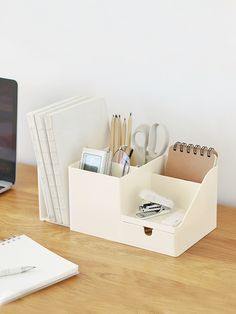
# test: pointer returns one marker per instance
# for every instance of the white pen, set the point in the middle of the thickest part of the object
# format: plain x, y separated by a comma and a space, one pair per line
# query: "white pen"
16, 270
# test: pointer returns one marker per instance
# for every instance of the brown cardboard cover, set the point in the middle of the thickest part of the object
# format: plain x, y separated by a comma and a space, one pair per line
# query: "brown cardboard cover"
187, 165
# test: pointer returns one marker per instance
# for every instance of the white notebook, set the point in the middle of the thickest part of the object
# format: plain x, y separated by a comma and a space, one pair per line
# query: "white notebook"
43, 178
69, 130
43, 141
21, 251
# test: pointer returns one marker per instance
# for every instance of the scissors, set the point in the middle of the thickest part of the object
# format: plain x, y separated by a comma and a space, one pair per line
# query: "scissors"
148, 150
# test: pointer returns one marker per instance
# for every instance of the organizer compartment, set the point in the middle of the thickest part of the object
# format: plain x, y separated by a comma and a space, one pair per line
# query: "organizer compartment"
94, 202
180, 191
105, 206
95, 199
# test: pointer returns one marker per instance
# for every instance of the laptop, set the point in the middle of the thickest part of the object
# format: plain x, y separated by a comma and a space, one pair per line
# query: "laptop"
8, 125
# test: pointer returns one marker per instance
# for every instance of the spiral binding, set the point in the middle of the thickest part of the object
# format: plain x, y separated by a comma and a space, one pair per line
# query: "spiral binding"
9, 240
195, 148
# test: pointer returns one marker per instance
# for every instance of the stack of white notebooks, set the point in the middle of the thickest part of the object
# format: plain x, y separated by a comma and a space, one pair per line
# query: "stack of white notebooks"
59, 132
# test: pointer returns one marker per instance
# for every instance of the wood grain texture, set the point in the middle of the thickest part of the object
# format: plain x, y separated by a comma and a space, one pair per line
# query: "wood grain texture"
116, 278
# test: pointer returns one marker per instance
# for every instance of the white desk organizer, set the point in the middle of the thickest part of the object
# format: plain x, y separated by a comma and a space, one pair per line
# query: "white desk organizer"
105, 206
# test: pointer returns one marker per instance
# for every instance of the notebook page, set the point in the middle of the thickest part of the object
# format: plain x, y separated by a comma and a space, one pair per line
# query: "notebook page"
23, 251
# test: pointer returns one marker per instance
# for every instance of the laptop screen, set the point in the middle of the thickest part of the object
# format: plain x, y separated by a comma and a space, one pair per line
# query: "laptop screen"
8, 121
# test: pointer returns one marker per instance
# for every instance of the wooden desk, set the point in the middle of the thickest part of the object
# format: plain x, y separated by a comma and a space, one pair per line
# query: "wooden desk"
116, 278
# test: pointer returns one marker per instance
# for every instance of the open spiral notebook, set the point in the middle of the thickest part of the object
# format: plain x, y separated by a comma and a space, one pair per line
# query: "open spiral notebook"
21, 251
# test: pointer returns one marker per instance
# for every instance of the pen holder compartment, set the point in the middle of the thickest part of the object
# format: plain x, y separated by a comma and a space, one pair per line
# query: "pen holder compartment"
94, 201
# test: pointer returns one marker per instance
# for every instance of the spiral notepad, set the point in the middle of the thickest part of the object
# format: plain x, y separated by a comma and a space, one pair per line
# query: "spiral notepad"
190, 162
21, 251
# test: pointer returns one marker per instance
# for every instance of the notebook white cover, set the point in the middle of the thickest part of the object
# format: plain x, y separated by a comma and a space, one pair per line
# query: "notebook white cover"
69, 130
50, 268
42, 175
39, 159
45, 152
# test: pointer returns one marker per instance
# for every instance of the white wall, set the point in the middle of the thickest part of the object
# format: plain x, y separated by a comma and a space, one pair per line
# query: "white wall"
167, 61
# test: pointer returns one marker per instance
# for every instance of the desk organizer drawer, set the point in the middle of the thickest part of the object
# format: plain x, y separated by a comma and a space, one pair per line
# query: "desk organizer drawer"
148, 238
105, 206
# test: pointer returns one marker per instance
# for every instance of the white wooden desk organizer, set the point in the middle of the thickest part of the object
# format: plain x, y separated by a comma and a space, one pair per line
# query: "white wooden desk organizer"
105, 206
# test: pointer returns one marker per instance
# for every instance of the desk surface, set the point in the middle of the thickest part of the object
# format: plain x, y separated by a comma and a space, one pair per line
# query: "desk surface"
116, 278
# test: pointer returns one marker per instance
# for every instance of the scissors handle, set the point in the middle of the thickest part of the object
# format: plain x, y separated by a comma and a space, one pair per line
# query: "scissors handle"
140, 150
153, 143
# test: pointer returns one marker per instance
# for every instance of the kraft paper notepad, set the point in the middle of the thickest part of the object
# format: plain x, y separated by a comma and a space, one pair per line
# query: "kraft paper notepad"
21, 251
190, 162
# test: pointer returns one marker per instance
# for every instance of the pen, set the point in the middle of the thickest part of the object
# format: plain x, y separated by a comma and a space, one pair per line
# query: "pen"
16, 270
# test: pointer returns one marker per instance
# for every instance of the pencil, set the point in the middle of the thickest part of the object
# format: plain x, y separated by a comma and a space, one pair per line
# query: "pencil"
123, 138
119, 131
116, 134
112, 134
129, 131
